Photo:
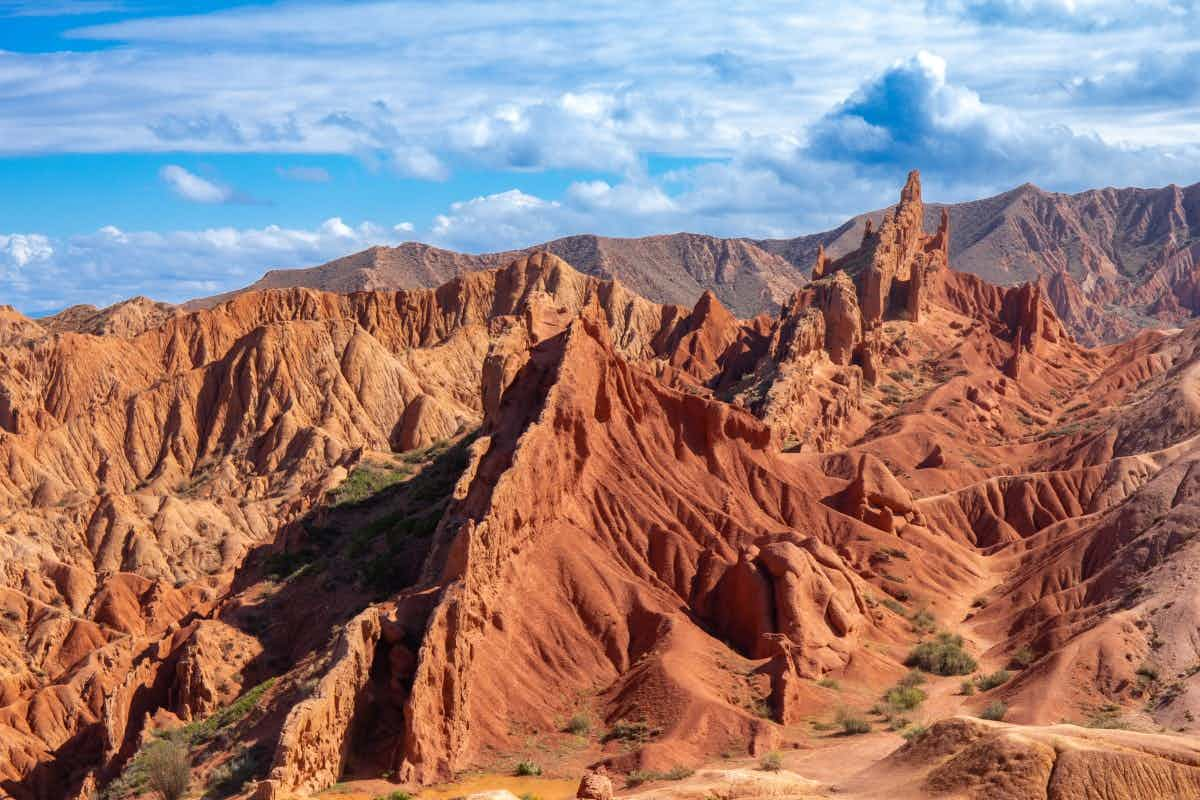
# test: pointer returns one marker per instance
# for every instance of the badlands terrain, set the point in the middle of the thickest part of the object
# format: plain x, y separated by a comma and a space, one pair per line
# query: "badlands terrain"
905, 533
1111, 261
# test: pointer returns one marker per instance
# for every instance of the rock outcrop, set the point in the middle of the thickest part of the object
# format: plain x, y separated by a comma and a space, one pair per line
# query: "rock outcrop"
406, 533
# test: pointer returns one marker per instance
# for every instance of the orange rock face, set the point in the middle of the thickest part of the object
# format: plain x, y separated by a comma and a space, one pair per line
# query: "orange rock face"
413, 529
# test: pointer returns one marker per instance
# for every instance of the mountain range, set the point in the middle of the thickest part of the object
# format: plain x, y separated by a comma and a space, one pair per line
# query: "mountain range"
1112, 261
898, 531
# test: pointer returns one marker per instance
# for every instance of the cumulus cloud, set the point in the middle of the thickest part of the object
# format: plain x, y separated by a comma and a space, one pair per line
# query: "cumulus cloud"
913, 115
573, 130
110, 264
20, 249
192, 187
500, 221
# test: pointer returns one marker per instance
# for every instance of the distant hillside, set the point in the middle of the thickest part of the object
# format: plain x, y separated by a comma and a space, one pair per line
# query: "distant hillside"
675, 268
1111, 260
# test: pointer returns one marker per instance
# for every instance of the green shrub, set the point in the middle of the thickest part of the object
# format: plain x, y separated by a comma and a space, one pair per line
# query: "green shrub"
365, 482
966, 688
1107, 716
678, 773
396, 795
167, 769
994, 711
828, 683
894, 605
852, 724
640, 776
944, 655
1023, 657
904, 698
628, 731
923, 621
771, 762
205, 729
580, 725
914, 732
997, 678
528, 768
229, 778
914, 678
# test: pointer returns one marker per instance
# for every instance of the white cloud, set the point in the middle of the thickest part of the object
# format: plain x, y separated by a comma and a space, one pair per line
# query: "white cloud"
498, 222
21, 249
111, 264
913, 115
420, 93
192, 187
1081, 15
415, 161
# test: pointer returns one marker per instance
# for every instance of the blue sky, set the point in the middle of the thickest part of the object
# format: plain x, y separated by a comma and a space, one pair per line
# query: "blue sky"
180, 149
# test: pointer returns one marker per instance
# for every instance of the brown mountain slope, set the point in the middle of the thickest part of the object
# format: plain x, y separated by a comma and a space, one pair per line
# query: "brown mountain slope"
126, 319
673, 269
1111, 260
710, 537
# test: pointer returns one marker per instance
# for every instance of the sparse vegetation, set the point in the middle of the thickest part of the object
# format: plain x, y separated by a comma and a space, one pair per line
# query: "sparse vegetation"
630, 731
528, 769
771, 762
205, 729
283, 566
904, 698
423, 454
366, 481
997, 678
828, 683
1106, 716
967, 688
1023, 657
914, 732
944, 655
229, 778
894, 605
579, 724
167, 769
640, 776
923, 621
995, 711
402, 795
163, 755
851, 723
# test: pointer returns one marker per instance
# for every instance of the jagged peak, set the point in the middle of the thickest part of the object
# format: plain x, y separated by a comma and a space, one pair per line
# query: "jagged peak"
912, 188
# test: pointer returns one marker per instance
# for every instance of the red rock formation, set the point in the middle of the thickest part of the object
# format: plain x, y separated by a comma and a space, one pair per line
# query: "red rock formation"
674, 517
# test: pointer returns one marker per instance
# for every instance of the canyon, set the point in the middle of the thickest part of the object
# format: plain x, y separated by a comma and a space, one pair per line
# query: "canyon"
839, 507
